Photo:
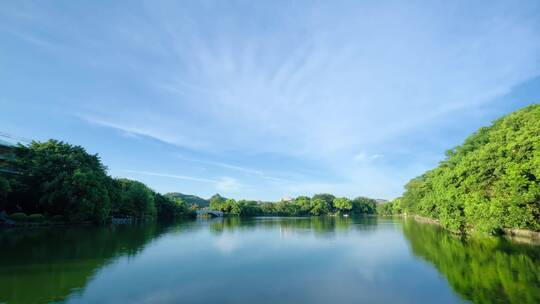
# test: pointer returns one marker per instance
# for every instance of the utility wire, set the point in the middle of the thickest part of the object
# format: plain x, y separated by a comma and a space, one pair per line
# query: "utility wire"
14, 137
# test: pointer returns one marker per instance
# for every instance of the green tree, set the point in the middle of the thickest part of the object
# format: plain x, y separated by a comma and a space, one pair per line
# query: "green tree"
168, 207
246, 208
216, 202
343, 204
328, 198
364, 205
228, 205
490, 183
304, 204
268, 208
325, 208
385, 208
319, 206
136, 199
78, 197
58, 178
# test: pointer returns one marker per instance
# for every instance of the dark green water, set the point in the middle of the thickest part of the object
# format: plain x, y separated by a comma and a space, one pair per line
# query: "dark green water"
265, 260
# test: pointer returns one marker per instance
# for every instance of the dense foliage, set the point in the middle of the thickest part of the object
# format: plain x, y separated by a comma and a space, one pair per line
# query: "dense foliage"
135, 200
171, 207
319, 204
58, 179
489, 183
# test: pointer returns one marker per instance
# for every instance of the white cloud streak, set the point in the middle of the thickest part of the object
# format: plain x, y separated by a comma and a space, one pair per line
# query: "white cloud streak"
364, 157
317, 81
175, 176
228, 184
249, 171
225, 183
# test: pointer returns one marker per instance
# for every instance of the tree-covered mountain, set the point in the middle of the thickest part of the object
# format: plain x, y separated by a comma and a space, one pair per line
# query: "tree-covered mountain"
189, 199
489, 183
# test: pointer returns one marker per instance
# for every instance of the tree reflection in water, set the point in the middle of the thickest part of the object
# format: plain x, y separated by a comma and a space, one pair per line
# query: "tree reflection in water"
479, 269
48, 264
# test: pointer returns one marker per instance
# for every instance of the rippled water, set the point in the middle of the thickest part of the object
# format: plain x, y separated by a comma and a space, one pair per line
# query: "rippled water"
265, 260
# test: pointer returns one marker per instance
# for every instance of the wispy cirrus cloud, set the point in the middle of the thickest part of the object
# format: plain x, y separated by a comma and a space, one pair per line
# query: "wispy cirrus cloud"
229, 184
365, 157
279, 90
175, 176
224, 183
147, 130
245, 89
245, 170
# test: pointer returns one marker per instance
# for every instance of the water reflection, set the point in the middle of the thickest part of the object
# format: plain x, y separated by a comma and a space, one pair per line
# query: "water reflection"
319, 226
48, 264
264, 260
479, 269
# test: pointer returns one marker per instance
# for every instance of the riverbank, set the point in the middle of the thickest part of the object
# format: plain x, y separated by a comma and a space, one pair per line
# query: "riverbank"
426, 220
523, 236
514, 234
8, 222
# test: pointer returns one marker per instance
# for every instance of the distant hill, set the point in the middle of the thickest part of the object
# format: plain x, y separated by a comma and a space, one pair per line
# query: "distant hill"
217, 196
190, 199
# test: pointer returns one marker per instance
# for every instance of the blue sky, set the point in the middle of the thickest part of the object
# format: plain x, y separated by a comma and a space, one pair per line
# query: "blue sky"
266, 99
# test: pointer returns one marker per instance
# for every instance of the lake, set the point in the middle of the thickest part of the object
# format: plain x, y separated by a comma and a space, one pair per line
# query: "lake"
265, 260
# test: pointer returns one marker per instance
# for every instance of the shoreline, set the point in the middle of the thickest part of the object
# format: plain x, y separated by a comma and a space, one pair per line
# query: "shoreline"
514, 234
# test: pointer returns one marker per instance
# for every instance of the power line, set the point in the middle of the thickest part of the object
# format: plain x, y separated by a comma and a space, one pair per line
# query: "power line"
14, 137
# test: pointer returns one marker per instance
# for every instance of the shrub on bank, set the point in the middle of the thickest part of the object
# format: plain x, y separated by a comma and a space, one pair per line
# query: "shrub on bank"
19, 217
36, 218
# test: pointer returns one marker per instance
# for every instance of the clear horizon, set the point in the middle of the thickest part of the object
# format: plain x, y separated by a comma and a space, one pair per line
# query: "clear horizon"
266, 100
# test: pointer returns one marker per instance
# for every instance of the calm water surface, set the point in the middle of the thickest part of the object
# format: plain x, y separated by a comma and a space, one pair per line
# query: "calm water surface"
265, 260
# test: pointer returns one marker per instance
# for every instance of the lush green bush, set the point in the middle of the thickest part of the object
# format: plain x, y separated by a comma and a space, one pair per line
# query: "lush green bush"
19, 217
36, 218
489, 183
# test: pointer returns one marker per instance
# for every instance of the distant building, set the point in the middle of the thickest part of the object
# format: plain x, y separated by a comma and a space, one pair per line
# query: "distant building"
379, 201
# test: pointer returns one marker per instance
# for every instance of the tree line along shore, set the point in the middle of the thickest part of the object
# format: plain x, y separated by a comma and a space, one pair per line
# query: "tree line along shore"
490, 183
55, 182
